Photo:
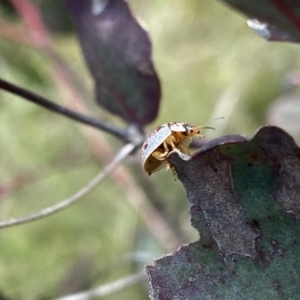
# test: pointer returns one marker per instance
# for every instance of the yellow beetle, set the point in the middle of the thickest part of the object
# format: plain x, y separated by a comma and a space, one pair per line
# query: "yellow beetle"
164, 139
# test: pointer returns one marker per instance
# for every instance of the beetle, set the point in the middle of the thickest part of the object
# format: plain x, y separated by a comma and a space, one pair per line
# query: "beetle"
164, 139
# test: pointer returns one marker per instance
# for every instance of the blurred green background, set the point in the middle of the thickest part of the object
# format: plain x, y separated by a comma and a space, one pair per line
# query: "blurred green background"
210, 65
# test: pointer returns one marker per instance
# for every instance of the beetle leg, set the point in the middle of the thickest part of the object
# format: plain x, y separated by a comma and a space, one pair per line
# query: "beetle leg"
170, 141
173, 171
172, 144
161, 155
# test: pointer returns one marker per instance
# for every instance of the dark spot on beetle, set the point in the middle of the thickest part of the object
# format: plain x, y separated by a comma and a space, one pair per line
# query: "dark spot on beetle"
215, 170
159, 127
188, 129
249, 165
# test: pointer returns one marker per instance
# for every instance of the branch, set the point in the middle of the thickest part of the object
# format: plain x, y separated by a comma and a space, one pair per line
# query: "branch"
48, 211
107, 289
39, 100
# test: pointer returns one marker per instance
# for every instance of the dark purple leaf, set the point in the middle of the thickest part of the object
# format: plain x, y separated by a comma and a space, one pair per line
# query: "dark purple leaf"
274, 20
243, 198
118, 53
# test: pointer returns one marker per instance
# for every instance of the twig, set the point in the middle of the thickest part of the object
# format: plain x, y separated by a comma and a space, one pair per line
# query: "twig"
48, 211
107, 289
39, 100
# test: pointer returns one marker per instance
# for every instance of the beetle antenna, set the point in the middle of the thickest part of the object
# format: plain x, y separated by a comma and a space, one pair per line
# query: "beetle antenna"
219, 118
206, 127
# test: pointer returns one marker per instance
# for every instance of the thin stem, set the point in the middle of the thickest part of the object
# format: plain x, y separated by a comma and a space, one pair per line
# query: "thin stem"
39, 100
107, 289
48, 211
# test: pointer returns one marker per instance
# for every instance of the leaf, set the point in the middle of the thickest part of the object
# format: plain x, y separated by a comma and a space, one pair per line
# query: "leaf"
118, 53
243, 198
275, 20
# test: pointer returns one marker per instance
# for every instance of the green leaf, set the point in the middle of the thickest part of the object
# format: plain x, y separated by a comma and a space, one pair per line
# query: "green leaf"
243, 198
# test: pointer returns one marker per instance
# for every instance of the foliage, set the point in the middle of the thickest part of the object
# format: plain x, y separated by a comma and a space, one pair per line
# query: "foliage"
206, 67
243, 200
